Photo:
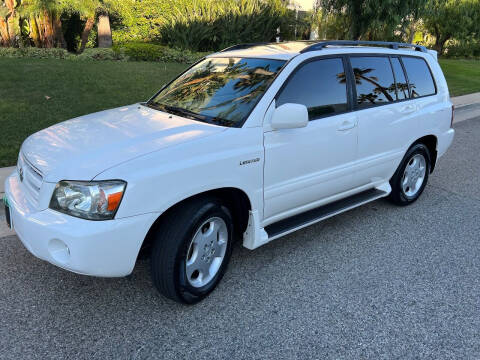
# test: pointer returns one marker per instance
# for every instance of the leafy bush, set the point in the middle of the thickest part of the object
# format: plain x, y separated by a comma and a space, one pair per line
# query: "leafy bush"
103, 54
206, 25
463, 49
56, 53
123, 52
36, 53
153, 52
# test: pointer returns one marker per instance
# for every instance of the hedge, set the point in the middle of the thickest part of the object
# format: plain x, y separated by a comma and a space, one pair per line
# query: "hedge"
123, 52
152, 52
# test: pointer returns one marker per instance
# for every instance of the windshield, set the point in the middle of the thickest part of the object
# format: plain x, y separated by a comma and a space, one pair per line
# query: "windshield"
220, 91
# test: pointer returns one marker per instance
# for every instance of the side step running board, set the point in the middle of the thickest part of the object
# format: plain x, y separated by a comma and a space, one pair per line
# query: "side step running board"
313, 216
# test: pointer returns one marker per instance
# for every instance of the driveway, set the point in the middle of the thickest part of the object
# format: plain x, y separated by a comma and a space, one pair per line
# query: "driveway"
376, 282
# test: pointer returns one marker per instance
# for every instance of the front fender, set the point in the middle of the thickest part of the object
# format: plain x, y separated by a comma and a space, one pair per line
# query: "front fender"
159, 180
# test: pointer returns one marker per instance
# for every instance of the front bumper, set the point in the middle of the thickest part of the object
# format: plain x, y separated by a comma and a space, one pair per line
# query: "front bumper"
99, 248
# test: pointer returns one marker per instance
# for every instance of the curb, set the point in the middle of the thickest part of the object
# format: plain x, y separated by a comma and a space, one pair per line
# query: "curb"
459, 102
465, 100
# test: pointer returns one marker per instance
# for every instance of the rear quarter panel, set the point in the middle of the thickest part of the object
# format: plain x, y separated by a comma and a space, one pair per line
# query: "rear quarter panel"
435, 112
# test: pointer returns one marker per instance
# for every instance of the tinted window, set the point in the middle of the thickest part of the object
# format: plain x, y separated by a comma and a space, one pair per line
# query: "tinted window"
221, 91
320, 85
374, 80
401, 81
419, 77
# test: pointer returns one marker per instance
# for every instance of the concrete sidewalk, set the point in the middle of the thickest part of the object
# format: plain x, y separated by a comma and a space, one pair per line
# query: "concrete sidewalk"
460, 101
467, 107
4, 173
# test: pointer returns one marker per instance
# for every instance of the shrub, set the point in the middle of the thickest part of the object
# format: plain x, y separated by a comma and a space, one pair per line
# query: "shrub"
103, 54
124, 52
463, 49
153, 52
203, 25
36, 53
55, 53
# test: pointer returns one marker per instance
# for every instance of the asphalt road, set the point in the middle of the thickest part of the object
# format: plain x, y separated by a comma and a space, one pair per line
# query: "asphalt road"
377, 282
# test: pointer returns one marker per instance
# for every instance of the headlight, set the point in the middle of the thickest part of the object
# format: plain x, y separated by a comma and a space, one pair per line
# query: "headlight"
92, 200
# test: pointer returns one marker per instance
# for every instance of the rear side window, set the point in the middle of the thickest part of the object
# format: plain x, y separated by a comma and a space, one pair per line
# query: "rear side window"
402, 85
320, 85
419, 77
374, 80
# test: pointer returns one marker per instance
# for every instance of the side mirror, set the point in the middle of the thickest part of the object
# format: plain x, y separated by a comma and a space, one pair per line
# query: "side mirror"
290, 116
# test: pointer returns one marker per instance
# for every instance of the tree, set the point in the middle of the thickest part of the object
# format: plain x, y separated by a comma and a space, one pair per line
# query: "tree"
9, 22
89, 10
451, 19
44, 21
366, 15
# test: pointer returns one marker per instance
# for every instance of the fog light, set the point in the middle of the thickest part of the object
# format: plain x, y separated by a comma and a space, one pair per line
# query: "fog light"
59, 251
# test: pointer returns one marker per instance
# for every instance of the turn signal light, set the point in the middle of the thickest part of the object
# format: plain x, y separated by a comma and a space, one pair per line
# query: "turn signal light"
114, 200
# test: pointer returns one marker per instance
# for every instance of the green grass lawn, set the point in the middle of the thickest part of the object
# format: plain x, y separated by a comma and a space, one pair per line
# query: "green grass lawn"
463, 76
78, 88
74, 89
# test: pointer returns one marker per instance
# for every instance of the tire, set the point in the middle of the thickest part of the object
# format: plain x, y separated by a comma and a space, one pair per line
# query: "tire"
405, 192
185, 243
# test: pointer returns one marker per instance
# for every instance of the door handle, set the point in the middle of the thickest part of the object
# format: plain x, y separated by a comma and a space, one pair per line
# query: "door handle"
346, 125
408, 109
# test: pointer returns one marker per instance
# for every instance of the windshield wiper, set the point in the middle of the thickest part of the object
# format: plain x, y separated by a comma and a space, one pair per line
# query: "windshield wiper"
178, 111
175, 110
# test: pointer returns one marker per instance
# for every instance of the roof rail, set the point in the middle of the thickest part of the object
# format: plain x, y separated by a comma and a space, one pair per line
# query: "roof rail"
392, 45
244, 46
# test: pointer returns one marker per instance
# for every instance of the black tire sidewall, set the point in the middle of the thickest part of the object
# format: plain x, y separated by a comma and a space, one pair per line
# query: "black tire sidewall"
187, 292
396, 183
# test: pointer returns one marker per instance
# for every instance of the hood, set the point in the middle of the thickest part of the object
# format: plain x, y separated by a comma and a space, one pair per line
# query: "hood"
81, 148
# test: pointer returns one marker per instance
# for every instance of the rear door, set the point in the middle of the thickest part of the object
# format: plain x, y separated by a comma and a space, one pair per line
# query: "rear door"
308, 164
386, 116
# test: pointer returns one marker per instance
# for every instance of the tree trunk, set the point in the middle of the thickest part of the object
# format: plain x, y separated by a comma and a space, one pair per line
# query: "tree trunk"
357, 20
60, 39
356, 32
411, 36
104, 32
41, 32
34, 32
13, 28
440, 44
86, 32
45, 26
4, 36
10, 26
10, 4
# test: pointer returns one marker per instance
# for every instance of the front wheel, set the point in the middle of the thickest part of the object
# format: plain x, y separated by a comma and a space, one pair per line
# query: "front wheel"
191, 251
411, 177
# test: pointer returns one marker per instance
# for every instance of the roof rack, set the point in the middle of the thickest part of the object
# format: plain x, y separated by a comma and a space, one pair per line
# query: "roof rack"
392, 45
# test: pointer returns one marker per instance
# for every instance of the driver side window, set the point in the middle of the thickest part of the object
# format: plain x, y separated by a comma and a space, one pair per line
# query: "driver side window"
320, 85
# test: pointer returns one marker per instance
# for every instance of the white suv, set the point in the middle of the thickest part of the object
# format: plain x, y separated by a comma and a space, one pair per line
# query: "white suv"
251, 143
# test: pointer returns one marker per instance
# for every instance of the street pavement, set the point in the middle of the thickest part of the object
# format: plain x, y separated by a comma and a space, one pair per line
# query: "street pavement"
379, 281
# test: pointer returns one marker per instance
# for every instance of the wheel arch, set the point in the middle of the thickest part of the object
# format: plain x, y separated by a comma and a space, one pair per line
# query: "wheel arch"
430, 141
237, 201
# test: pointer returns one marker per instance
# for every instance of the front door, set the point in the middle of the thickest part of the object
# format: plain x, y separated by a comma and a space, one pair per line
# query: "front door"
308, 164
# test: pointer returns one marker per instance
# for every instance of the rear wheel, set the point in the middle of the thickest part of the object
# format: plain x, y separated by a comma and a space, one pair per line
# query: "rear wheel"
411, 177
192, 249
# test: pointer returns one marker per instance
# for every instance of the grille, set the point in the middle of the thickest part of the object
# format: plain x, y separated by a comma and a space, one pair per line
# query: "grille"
32, 178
